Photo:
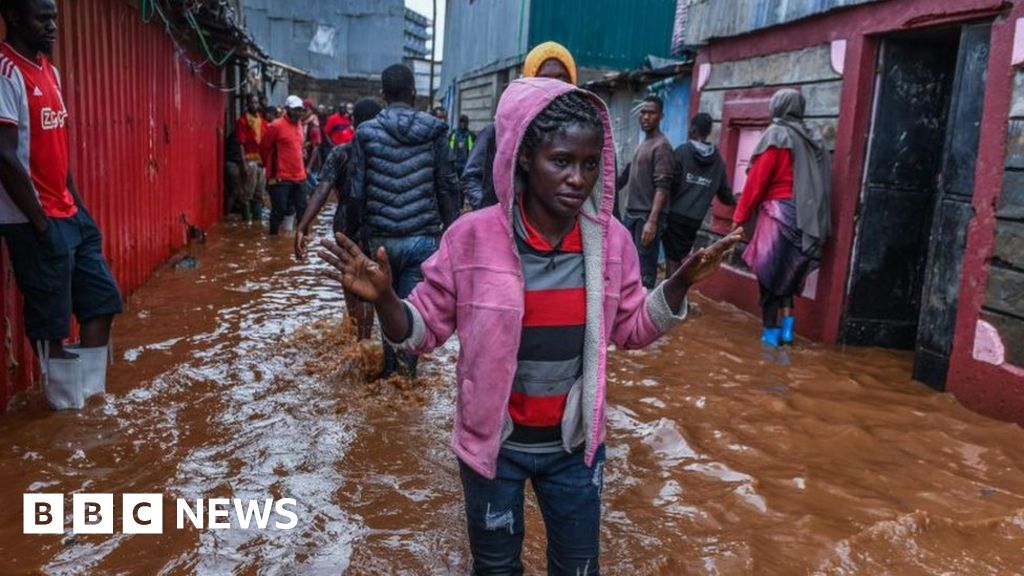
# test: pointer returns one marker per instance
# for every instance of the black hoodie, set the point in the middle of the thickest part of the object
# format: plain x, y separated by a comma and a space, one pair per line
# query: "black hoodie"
402, 181
700, 174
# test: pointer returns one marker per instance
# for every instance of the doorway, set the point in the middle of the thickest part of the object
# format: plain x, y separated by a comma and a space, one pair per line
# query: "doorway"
915, 203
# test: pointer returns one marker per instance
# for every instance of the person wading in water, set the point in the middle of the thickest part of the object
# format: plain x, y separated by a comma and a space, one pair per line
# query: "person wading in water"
334, 176
536, 287
789, 181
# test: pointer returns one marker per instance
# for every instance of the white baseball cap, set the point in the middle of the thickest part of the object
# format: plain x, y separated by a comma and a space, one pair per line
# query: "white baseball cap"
293, 102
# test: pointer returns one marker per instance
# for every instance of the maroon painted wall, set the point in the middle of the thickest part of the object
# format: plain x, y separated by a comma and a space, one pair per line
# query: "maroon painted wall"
998, 391
994, 390
146, 148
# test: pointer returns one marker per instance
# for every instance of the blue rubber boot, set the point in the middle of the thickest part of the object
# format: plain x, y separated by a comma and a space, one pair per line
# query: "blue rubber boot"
786, 337
770, 337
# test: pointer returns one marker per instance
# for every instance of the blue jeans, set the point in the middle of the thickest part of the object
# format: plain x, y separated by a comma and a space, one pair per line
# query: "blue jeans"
569, 495
406, 255
648, 254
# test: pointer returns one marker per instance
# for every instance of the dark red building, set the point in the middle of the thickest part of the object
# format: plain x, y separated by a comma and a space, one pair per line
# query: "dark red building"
922, 102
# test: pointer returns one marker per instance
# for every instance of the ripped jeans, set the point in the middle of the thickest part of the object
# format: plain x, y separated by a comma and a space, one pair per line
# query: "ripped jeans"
569, 495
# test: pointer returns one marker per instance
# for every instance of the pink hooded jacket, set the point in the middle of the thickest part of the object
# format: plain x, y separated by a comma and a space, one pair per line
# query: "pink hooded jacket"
474, 285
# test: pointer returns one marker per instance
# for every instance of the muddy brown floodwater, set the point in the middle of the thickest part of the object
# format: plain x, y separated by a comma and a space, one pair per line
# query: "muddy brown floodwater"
235, 379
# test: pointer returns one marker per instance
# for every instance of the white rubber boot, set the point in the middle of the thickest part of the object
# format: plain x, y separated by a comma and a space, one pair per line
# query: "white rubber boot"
93, 366
62, 381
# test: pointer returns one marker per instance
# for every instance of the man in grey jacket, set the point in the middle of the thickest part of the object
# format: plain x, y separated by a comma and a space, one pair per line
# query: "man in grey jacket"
404, 191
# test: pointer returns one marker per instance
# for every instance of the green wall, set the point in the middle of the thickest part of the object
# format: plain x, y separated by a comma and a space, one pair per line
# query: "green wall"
616, 34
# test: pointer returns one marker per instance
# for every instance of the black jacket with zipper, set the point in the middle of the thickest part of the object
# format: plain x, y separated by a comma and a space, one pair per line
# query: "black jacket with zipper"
401, 176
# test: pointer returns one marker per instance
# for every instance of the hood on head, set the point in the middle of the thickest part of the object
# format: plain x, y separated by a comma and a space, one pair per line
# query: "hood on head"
787, 103
408, 126
524, 100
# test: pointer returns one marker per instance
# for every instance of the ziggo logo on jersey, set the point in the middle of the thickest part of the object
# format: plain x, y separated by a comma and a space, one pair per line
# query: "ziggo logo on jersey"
144, 513
53, 119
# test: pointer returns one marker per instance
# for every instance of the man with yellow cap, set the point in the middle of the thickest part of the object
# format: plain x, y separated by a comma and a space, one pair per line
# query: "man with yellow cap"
547, 60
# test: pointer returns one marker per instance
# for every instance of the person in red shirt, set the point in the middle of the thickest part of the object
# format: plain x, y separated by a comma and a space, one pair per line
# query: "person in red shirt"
282, 155
54, 245
338, 128
788, 185
250, 129
313, 138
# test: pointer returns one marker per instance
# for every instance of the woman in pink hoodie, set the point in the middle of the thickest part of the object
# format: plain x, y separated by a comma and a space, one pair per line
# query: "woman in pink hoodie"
537, 288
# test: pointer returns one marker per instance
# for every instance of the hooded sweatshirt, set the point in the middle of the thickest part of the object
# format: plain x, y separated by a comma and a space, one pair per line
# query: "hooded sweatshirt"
474, 285
701, 176
403, 183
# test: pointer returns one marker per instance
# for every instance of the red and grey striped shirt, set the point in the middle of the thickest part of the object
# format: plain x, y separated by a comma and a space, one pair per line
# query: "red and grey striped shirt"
551, 346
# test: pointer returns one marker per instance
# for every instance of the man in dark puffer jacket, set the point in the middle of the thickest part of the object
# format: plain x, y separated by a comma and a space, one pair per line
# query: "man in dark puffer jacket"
404, 189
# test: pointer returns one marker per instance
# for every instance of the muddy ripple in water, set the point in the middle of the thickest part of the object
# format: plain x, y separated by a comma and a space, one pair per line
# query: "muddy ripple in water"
235, 380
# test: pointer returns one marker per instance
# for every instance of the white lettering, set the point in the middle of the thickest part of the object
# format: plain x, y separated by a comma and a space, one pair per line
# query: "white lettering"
697, 179
185, 510
279, 506
245, 515
92, 513
142, 513
43, 513
218, 508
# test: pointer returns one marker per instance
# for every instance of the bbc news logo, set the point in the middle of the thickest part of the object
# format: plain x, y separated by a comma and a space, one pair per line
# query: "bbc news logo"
144, 513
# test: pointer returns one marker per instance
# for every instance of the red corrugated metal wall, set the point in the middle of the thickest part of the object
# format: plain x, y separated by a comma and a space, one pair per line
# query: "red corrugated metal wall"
146, 148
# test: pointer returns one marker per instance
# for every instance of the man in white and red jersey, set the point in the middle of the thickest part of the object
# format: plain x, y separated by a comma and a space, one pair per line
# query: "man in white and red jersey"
54, 245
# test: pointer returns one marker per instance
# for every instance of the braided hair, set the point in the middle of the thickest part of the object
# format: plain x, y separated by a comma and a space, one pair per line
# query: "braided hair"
571, 108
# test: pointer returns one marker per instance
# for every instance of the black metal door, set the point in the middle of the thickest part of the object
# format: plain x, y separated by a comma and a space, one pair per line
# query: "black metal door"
953, 211
894, 220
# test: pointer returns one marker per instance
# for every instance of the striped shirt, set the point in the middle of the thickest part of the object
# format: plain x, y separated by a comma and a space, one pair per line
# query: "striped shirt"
551, 346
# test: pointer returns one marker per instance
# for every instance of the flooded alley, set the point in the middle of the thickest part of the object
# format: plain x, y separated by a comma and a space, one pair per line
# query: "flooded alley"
235, 378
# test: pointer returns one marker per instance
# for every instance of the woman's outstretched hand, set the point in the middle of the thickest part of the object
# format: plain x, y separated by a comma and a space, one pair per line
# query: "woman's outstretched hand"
368, 280
360, 275
699, 266
703, 263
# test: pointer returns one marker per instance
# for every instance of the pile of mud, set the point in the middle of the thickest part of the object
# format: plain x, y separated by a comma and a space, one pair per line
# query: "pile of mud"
334, 353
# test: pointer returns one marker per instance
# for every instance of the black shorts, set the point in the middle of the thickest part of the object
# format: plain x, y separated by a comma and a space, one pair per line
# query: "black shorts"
61, 273
679, 237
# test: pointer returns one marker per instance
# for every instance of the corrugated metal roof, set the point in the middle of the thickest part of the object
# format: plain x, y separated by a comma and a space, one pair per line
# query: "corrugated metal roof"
707, 19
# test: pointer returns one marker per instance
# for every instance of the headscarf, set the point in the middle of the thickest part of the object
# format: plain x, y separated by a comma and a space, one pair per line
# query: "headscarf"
812, 168
549, 51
